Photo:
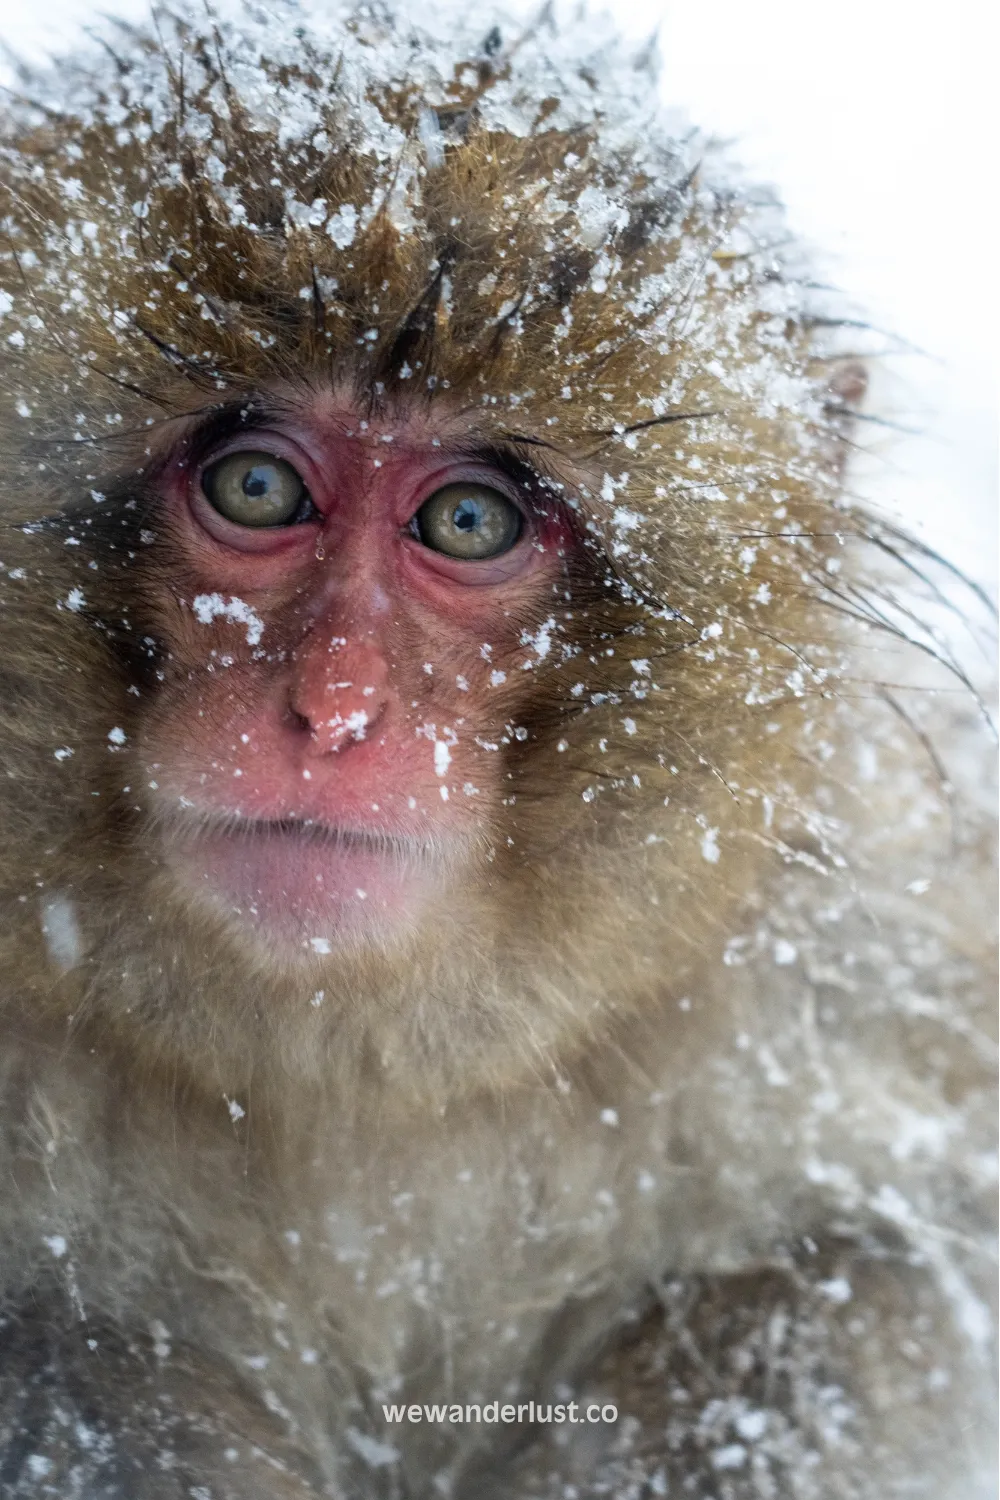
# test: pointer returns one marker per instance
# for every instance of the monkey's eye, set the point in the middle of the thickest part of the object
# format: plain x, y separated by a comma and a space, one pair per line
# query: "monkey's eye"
469, 521
256, 489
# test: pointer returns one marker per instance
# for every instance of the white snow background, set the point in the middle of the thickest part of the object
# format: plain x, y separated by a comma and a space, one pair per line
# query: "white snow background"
876, 119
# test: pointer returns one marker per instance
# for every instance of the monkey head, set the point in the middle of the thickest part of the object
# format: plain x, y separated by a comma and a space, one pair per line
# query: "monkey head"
425, 505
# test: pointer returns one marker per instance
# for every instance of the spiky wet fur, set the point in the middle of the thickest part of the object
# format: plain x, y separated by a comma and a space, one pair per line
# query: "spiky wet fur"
587, 1082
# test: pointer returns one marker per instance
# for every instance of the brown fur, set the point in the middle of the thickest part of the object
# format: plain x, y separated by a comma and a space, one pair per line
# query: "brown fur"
684, 1050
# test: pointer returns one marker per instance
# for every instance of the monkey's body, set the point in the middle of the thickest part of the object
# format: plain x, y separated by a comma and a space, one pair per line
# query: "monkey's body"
656, 1078
740, 1257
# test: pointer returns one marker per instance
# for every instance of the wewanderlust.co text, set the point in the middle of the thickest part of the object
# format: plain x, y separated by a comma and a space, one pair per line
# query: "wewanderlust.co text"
496, 1411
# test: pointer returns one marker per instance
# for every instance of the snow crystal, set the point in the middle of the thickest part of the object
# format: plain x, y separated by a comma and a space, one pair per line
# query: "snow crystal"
356, 723
733, 1456
775, 1074
432, 137
375, 1454
161, 1338
599, 216
751, 1425
541, 640
61, 930
208, 607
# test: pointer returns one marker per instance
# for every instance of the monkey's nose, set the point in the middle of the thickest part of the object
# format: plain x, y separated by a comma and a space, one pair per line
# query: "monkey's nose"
339, 694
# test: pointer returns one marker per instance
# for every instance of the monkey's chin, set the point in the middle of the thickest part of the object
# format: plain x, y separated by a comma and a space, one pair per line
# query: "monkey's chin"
307, 887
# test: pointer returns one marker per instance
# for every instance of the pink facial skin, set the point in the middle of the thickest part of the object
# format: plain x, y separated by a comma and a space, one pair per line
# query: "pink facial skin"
325, 751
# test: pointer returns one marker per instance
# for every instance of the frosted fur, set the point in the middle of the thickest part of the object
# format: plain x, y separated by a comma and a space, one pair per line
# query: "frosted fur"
682, 1097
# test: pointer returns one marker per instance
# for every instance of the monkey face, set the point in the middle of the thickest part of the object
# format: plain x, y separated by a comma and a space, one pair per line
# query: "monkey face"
418, 586
325, 753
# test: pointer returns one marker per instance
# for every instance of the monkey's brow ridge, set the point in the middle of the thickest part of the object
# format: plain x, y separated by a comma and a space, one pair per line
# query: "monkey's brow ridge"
248, 413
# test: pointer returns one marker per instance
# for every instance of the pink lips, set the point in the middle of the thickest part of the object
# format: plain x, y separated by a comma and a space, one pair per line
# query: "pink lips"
307, 884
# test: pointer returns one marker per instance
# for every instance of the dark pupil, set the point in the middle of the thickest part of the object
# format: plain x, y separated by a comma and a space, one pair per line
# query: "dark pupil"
257, 483
467, 515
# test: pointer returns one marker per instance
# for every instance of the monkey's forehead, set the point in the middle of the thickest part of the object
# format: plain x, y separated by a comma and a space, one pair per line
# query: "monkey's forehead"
278, 63
500, 213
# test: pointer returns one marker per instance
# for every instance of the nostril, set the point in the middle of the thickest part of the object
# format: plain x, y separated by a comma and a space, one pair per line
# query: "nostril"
337, 701
298, 721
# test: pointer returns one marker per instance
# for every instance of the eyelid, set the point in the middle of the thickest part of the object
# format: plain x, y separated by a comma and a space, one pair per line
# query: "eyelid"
487, 572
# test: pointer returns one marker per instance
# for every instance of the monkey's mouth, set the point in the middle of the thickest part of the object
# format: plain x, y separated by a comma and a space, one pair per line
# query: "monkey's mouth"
310, 883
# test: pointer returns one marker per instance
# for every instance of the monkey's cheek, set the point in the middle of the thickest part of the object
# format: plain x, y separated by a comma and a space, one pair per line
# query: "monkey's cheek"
313, 894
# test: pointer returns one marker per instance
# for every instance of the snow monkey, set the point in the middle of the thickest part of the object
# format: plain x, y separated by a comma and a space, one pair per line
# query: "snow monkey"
491, 961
